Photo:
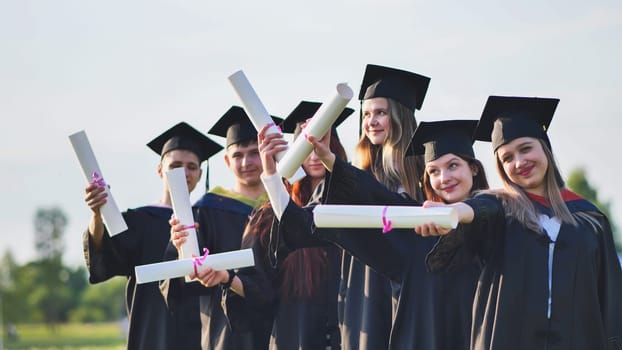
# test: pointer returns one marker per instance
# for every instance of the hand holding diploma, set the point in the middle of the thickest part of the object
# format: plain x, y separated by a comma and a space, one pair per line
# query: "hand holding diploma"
99, 204
385, 217
259, 115
255, 109
196, 266
317, 127
269, 145
464, 213
182, 209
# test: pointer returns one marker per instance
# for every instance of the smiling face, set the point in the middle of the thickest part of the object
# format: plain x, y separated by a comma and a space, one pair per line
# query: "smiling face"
182, 158
314, 167
245, 163
524, 163
376, 120
451, 177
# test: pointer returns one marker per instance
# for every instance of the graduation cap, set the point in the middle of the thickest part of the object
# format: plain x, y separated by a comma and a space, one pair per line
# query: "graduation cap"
306, 110
507, 118
236, 126
405, 87
185, 137
435, 139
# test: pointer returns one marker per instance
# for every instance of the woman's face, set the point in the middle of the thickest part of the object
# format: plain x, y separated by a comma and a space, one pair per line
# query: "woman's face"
524, 163
451, 177
376, 120
314, 167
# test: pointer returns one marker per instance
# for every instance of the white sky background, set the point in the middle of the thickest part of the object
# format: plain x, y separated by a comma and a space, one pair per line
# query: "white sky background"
125, 71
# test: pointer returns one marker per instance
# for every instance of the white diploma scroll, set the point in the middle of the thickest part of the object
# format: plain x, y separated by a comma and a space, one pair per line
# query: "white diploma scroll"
180, 198
258, 114
319, 124
375, 216
179, 268
255, 109
110, 211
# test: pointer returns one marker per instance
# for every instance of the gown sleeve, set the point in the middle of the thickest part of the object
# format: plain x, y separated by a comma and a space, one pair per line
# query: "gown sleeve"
112, 257
610, 285
347, 184
385, 253
457, 248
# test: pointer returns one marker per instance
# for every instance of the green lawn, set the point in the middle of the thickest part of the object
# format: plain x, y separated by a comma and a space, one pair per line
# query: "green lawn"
96, 336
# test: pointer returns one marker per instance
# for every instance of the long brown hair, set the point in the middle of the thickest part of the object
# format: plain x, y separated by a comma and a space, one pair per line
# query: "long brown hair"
387, 162
304, 270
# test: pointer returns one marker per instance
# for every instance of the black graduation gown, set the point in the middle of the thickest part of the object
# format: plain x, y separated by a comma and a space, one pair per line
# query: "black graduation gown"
433, 310
510, 307
305, 325
151, 325
295, 324
221, 224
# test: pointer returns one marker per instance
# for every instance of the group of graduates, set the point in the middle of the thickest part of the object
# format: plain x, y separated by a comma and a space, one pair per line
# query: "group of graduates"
531, 265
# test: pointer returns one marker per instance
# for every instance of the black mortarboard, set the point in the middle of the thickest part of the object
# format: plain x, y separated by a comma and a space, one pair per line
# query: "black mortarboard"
405, 87
435, 139
507, 118
236, 126
185, 137
306, 110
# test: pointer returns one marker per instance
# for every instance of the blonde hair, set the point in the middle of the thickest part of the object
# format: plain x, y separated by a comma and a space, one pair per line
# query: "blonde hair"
518, 205
387, 162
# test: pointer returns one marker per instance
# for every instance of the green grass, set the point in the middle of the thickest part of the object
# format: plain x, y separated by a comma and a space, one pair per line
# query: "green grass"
95, 336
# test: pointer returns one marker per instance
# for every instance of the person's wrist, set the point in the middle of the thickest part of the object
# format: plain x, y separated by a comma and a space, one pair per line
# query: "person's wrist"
226, 285
329, 161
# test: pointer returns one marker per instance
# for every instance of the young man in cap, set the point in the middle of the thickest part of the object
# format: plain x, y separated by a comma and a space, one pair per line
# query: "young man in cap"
222, 215
151, 325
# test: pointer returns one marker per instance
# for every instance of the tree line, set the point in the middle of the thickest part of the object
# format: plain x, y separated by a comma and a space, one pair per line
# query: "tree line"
46, 291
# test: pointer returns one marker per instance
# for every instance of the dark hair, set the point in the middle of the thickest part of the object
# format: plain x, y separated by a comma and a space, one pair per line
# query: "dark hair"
244, 143
480, 182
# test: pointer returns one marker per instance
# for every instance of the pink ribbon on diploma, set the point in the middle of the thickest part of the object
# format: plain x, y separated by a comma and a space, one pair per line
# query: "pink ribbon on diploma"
278, 127
198, 260
98, 180
386, 223
185, 227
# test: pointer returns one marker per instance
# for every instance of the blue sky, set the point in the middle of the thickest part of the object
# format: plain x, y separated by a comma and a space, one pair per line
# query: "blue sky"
125, 71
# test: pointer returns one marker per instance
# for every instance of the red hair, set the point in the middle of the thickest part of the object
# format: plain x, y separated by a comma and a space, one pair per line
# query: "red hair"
304, 270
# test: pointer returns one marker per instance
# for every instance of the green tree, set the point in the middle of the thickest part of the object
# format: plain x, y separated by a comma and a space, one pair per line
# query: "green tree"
15, 297
51, 295
8, 298
101, 302
577, 181
50, 224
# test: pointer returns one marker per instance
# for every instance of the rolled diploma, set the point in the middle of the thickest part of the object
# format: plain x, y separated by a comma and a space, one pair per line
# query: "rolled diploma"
180, 197
319, 124
178, 268
110, 211
370, 216
256, 111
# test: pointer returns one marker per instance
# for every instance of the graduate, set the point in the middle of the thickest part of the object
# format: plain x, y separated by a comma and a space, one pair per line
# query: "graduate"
151, 325
222, 215
304, 281
433, 310
550, 279
388, 98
